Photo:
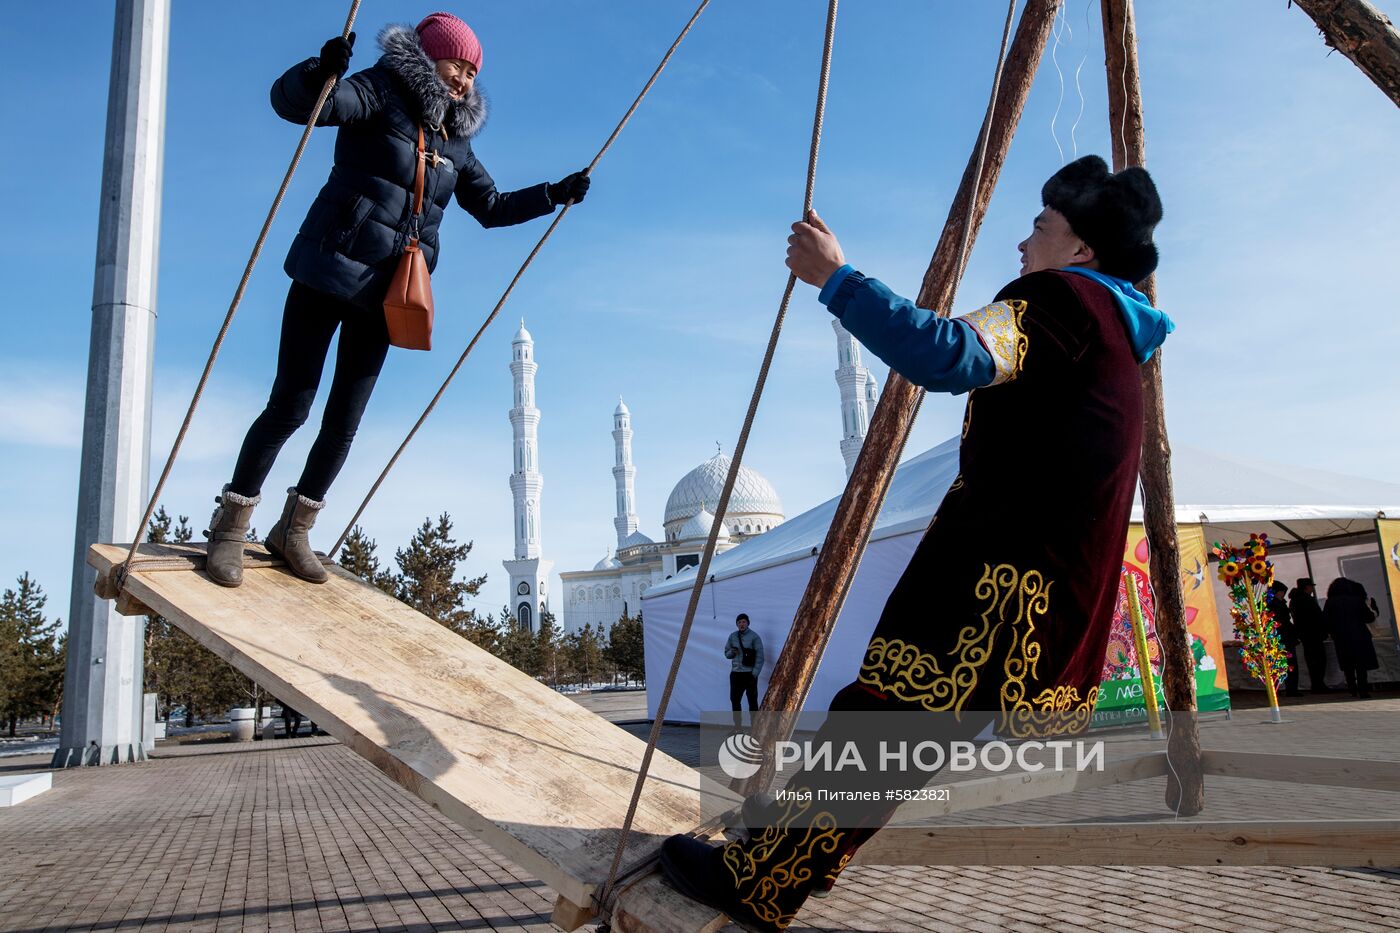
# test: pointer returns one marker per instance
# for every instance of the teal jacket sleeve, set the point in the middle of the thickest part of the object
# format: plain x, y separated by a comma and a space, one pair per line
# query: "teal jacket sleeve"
941, 354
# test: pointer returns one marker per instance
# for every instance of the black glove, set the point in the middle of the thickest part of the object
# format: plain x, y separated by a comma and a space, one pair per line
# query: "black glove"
570, 188
335, 57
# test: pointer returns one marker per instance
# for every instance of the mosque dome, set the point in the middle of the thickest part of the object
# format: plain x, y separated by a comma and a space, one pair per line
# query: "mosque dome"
621, 408
634, 539
607, 563
522, 335
699, 525
701, 487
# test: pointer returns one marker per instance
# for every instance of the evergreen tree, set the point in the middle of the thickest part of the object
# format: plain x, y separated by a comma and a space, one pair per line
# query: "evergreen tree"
516, 644
625, 647
358, 556
549, 649
584, 649
31, 673
427, 578
179, 670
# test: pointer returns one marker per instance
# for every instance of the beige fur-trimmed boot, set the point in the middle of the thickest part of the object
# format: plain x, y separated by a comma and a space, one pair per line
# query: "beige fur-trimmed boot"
289, 539
227, 533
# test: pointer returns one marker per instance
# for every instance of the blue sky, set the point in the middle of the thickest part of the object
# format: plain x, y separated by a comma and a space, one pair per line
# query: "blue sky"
1274, 158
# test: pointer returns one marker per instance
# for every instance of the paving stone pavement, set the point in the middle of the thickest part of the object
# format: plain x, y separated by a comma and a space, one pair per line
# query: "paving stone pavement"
302, 835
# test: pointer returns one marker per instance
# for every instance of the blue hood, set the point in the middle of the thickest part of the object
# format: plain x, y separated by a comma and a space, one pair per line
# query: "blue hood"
1147, 326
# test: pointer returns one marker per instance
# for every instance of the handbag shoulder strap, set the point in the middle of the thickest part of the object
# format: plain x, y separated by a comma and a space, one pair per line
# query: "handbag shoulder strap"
418, 175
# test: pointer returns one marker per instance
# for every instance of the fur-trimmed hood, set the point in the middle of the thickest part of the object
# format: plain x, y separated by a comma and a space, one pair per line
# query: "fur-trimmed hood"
404, 56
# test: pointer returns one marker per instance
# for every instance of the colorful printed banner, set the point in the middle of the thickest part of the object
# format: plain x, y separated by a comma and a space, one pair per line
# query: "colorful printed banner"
1389, 531
1121, 695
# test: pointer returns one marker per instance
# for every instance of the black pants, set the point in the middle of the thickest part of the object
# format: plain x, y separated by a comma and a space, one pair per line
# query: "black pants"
1356, 681
1315, 653
741, 684
1291, 683
309, 321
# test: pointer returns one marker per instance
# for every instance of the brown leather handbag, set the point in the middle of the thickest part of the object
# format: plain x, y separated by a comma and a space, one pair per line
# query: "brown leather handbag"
408, 306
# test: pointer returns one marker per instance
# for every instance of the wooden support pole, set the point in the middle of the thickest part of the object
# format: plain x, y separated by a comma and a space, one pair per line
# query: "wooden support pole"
899, 402
1338, 843
1185, 785
1363, 34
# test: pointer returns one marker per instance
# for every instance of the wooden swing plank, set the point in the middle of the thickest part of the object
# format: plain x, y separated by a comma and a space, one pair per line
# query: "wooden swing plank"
1337, 843
1355, 773
523, 767
1021, 787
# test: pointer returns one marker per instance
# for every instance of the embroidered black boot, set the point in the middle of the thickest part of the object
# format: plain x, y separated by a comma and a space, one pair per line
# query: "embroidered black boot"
761, 811
696, 869
289, 539
227, 533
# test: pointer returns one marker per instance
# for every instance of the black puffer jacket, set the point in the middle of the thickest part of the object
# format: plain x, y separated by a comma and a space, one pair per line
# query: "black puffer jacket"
352, 236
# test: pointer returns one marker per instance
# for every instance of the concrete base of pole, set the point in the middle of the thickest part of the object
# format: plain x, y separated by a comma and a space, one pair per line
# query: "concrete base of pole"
94, 754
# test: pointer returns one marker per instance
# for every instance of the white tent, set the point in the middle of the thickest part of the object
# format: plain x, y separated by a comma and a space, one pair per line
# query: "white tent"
765, 577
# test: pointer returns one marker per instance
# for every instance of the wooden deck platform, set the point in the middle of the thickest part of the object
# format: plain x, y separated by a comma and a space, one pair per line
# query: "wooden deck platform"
528, 770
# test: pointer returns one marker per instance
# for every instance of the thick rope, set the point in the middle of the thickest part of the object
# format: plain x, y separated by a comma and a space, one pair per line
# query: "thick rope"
233, 306
703, 571
511, 287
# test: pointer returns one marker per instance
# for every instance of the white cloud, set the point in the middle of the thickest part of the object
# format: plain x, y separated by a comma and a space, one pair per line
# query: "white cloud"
40, 406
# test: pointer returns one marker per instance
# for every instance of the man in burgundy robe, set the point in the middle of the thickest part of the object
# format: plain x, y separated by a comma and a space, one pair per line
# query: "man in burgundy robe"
1003, 614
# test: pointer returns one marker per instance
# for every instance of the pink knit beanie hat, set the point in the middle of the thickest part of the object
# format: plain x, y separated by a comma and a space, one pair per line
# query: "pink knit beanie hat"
445, 36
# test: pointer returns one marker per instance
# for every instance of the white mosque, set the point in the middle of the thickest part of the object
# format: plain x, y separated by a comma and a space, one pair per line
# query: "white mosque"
615, 584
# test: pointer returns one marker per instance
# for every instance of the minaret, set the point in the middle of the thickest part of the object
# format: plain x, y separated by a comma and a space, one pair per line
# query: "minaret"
857, 394
529, 575
623, 472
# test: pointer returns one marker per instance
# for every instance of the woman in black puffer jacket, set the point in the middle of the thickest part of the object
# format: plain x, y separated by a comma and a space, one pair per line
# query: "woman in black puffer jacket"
348, 247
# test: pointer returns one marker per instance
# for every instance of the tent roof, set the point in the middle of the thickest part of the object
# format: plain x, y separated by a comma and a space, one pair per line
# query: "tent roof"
1228, 496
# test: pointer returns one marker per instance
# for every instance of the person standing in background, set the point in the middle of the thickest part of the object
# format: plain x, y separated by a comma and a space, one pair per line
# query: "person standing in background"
745, 652
1287, 633
1348, 615
1312, 631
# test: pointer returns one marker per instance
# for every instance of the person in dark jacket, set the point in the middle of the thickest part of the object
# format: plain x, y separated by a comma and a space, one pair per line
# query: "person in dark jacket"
291, 721
1349, 614
348, 247
744, 649
986, 626
1287, 633
1312, 631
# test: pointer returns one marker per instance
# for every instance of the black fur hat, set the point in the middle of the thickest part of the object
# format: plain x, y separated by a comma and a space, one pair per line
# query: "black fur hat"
1113, 214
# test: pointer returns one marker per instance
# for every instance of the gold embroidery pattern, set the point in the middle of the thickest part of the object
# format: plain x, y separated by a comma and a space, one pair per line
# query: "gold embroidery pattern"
967, 413
1054, 711
835, 873
909, 673
1011, 599
766, 882
999, 325
1024, 653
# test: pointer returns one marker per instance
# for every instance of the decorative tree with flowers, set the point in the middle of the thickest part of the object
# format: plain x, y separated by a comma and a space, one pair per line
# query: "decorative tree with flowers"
1248, 572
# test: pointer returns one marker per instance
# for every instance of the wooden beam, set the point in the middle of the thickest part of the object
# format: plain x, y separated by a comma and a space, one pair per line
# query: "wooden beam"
648, 904
1354, 773
1339, 843
1363, 34
570, 916
1186, 793
1002, 789
526, 769
899, 402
